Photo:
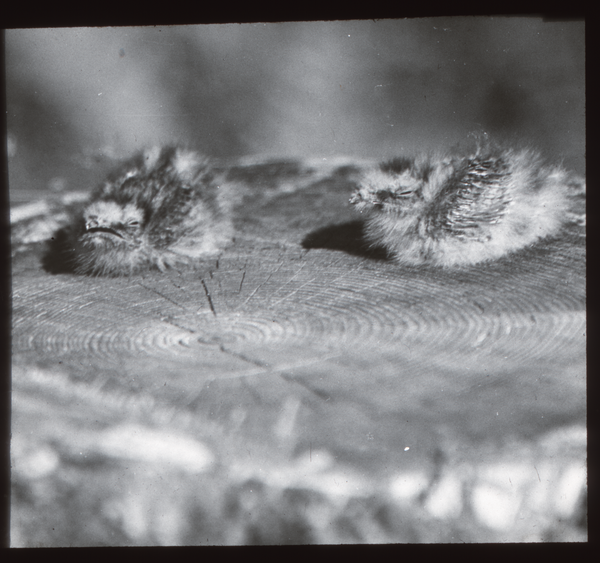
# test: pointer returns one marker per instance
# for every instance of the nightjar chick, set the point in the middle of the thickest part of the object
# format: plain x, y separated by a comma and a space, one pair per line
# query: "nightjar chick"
163, 208
459, 210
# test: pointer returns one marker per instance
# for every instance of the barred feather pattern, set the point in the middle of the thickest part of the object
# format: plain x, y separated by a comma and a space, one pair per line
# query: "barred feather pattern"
164, 208
460, 210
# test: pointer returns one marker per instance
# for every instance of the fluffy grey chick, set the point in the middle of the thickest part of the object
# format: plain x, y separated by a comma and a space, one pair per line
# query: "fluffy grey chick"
453, 210
163, 208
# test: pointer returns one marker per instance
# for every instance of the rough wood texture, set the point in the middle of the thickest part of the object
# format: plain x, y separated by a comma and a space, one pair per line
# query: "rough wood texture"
299, 389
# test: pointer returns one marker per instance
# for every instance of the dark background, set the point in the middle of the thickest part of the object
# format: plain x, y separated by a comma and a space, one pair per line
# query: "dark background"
78, 98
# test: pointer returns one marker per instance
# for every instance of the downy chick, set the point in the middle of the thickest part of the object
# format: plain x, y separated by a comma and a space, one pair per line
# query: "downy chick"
164, 208
459, 210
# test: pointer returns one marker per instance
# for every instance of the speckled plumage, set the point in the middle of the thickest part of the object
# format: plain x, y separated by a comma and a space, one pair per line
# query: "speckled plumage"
163, 208
458, 210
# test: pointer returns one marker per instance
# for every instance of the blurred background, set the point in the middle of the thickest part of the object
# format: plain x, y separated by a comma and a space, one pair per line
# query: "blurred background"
79, 98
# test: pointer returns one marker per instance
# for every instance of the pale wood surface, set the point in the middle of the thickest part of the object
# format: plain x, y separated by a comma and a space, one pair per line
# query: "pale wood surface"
299, 340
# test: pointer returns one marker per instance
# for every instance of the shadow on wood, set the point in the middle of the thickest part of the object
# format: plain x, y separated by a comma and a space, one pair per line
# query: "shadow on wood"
348, 237
58, 257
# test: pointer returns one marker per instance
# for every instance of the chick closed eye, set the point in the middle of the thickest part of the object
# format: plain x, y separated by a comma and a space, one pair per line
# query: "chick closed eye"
392, 195
450, 211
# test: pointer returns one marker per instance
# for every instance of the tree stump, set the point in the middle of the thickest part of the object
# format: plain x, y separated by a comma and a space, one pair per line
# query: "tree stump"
300, 389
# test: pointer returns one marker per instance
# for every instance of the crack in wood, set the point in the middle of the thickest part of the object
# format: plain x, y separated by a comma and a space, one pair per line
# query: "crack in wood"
328, 288
320, 394
222, 348
291, 279
243, 357
170, 322
163, 296
292, 292
266, 369
259, 286
210, 303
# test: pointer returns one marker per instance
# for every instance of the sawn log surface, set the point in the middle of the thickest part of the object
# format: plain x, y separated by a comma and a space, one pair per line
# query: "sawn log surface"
297, 341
